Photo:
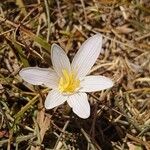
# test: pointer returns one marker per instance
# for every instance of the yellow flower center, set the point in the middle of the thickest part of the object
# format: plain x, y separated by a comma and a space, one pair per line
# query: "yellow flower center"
68, 83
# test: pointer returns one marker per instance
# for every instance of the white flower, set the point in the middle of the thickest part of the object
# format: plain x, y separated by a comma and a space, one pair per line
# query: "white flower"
69, 81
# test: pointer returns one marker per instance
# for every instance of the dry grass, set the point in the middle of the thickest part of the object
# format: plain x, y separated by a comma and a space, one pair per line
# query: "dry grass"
120, 117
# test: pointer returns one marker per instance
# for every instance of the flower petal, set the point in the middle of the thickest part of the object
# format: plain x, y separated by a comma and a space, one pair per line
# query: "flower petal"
54, 98
60, 60
80, 105
95, 83
39, 76
87, 55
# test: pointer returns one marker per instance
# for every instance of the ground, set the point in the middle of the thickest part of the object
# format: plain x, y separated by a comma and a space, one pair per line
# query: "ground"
120, 116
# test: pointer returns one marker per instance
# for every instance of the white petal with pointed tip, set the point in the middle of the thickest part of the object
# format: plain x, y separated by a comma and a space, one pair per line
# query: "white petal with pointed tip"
39, 76
80, 105
54, 98
87, 55
95, 83
59, 59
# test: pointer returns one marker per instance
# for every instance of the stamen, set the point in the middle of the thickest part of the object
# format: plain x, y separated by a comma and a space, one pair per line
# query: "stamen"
68, 83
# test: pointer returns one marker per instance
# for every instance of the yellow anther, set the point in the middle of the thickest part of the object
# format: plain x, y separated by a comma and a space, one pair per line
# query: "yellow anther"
68, 83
